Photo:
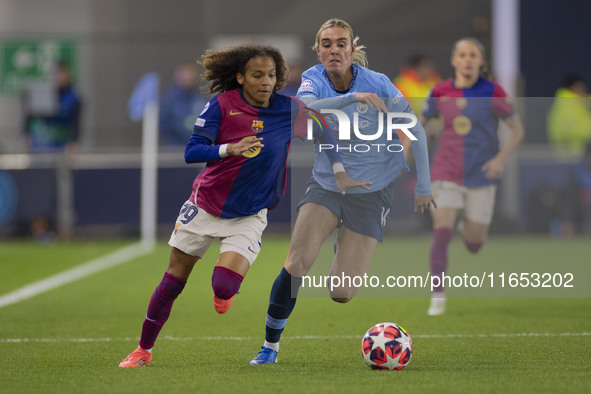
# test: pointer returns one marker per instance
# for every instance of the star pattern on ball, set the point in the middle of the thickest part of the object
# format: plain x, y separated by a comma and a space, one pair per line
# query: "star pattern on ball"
404, 340
386, 346
378, 343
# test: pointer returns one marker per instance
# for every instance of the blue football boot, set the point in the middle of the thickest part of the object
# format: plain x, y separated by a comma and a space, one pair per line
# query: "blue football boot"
266, 356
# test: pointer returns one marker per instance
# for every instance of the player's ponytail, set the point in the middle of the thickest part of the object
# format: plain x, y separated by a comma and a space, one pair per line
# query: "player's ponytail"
359, 57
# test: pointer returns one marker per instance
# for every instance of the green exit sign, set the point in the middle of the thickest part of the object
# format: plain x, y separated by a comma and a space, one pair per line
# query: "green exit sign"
25, 61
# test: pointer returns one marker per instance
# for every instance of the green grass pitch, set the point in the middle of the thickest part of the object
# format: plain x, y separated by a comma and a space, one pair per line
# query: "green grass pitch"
70, 339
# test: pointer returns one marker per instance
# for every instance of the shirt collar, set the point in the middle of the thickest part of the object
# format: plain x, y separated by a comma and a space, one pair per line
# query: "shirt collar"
351, 85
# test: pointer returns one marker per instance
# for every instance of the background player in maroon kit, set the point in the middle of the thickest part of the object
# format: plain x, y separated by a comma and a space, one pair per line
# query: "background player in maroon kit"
242, 179
468, 163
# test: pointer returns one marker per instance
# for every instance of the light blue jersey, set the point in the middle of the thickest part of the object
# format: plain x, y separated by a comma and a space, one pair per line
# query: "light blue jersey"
367, 155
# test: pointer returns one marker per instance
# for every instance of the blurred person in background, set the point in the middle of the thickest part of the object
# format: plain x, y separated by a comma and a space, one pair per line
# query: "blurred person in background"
575, 200
243, 178
583, 181
52, 125
569, 118
416, 80
180, 105
468, 163
59, 130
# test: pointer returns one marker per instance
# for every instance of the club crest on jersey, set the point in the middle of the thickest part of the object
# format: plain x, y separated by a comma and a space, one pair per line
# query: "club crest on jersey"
257, 126
362, 108
462, 124
252, 152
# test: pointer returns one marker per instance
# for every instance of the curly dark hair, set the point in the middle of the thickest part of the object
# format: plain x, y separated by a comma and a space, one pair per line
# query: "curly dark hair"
222, 66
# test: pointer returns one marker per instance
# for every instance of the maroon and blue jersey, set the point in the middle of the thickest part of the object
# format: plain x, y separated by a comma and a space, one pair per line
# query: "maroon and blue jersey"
238, 186
470, 122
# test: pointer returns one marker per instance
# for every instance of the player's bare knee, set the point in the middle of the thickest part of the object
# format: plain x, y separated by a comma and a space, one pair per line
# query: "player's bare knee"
301, 262
180, 264
342, 295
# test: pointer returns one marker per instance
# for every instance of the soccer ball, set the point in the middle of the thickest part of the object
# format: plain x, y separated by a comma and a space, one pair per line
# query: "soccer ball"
386, 346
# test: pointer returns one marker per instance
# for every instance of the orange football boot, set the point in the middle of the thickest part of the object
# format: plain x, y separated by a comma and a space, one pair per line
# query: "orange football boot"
138, 358
221, 306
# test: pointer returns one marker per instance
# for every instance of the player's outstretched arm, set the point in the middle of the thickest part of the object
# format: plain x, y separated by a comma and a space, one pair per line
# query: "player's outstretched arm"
374, 101
200, 149
421, 155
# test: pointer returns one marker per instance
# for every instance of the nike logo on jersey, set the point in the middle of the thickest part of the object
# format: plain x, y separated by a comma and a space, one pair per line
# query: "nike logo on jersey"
234, 113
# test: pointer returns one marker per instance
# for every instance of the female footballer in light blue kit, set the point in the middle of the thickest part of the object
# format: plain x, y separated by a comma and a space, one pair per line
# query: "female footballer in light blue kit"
243, 178
342, 82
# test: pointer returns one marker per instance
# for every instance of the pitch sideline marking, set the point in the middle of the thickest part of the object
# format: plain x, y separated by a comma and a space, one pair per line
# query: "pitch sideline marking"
424, 336
78, 272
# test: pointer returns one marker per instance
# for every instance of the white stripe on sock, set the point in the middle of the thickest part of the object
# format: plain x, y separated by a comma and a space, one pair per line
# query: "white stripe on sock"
272, 345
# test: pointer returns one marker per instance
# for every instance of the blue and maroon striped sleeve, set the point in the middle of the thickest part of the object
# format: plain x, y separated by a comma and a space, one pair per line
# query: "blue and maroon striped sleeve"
501, 103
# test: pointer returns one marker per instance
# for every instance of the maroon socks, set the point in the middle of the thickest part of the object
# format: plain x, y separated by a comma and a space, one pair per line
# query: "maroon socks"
225, 284
438, 256
159, 308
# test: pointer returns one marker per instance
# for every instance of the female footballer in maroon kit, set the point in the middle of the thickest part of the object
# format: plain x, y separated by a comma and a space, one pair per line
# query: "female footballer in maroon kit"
243, 178
468, 163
